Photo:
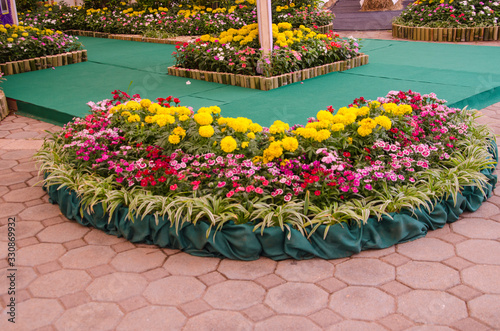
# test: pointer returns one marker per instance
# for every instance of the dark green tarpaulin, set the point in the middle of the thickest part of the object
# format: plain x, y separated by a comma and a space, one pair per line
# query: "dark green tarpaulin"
241, 243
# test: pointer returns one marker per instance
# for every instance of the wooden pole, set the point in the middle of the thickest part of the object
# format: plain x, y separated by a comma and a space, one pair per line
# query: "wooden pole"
264, 18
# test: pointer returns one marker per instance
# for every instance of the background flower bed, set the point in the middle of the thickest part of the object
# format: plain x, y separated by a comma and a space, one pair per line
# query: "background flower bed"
450, 13
172, 19
26, 42
401, 153
238, 51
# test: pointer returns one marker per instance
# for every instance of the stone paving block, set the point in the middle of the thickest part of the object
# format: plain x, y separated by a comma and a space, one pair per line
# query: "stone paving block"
26, 242
234, 294
426, 249
431, 307
363, 303
35, 202
246, 270
33, 314
90, 316
17, 186
24, 276
469, 324
309, 271
10, 210
477, 228
375, 253
54, 220
453, 238
123, 246
325, 318
270, 281
485, 308
133, 303
40, 212
138, 260
98, 237
7, 164
19, 154
75, 299
480, 251
457, 263
22, 135
363, 271
286, 323
74, 244
87, 257
430, 328
296, 298
174, 290
195, 307
396, 322
356, 326
212, 278
24, 194
100, 270
153, 318
485, 278
48, 267
39, 254
59, 283
13, 125
63, 232
117, 286
486, 210
258, 312
218, 320
331, 285
189, 265
155, 274
427, 275
464, 292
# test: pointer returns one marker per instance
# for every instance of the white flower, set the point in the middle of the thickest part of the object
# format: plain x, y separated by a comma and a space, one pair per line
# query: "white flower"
188, 83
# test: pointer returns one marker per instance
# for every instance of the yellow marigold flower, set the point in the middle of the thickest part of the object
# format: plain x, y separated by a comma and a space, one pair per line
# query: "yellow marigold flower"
205, 37
290, 144
404, 109
273, 151
254, 127
180, 110
133, 105
10, 40
228, 144
203, 118
307, 132
170, 119
148, 119
25, 34
183, 118
322, 135
251, 135
257, 159
125, 113
134, 118
153, 108
215, 109
368, 123
337, 127
278, 126
204, 110
244, 144
390, 107
374, 104
364, 131
145, 103
14, 35
363, 111
384, 122
324, 115
179, 131
222, 121
239, 124
206, 131
113, 110
174, 139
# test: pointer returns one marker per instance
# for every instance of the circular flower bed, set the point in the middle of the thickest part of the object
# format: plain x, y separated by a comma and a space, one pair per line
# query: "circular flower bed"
366, 176
238, 51
449, 20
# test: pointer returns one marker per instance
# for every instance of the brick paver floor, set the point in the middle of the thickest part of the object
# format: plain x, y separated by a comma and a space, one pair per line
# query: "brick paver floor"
74, 278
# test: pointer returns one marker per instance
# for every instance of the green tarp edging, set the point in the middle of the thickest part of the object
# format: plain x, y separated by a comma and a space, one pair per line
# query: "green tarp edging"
240, 242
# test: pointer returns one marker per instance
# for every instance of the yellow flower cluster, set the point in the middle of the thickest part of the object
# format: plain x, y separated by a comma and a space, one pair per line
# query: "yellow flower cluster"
15, 31
276, 148
228, 144
285, 7
283, 35
394, 109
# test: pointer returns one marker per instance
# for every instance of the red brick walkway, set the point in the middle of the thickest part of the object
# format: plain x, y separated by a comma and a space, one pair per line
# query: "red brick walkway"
74, 278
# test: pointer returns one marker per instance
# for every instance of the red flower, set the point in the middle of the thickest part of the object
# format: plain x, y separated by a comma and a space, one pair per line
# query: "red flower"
176, 100
173, 187
347, 154
317, 193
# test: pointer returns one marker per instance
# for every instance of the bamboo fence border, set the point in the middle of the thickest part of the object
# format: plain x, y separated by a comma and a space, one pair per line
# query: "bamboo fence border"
43, 62
491, 33
268, 83
4, 109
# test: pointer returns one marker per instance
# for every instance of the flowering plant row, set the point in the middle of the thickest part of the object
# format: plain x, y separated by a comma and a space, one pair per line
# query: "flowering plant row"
26, 42
450, 13
238, 51
178, 20
402, 151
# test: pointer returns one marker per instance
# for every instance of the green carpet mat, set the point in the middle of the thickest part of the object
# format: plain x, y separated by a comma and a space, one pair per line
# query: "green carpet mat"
464, 75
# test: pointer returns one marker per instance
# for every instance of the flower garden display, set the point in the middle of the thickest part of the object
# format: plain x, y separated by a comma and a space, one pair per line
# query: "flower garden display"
238, 52
449, 20
183, 19
367, 176
27, 48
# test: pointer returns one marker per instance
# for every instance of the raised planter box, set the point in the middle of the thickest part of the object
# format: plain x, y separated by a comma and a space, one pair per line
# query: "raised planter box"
44, 62
268, 83
446, 34
4, 109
